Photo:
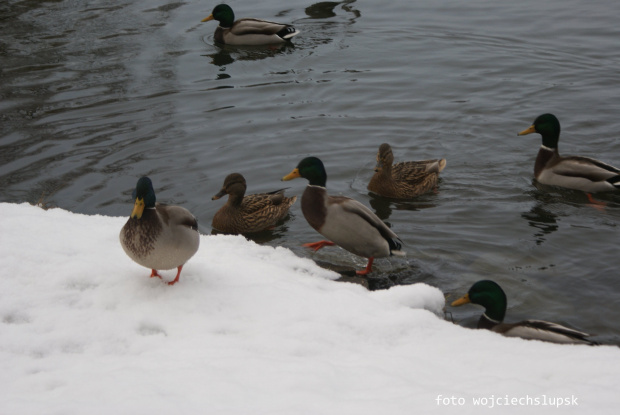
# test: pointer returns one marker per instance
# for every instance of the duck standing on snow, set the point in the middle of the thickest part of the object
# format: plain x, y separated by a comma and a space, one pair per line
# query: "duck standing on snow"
251, 213
491, 296
159, 236
344, 221
404, 180
572, 172
248, 31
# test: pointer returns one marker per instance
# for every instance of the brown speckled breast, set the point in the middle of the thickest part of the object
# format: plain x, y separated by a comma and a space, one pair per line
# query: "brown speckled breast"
138, 236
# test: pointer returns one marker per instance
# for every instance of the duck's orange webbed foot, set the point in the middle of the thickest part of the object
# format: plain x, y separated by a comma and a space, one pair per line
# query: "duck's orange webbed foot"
596, 204
176, 279
318, 245
155, 274
368, 268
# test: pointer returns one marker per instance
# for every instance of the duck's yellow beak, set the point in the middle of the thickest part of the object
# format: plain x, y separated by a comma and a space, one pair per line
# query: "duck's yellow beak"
138, 208
463, 300
206, 19
530, 130
292, 175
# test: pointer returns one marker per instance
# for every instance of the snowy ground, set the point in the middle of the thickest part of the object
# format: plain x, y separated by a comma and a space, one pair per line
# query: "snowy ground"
251, 329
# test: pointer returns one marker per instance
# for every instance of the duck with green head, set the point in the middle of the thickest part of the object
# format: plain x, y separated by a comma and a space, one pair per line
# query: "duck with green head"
249, 213
159, 236
571, 172
490, 295
342, 220
247, 31
404, 180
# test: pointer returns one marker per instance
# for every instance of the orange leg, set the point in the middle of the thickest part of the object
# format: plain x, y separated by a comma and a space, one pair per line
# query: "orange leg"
318, 245
368, 268
596, 204
155, 274
176, 279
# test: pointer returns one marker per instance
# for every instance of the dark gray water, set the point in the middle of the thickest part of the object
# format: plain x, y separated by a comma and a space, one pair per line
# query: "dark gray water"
95, 94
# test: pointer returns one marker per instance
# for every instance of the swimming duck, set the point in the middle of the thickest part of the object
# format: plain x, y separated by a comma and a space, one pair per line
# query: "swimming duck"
251, 213
491, 296
572, 172
342, 220
159, 236
403, 180
247, 31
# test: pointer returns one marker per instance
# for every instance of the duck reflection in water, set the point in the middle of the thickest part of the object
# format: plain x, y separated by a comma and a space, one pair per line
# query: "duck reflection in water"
551, 204
227, 55
552, 201
325, 9
543, 220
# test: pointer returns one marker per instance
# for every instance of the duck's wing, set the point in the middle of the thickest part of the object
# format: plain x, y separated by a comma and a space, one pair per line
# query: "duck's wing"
176, 216
249, 26
585, 167
261, 201
353, 207
543, 330
413, 170
256, 202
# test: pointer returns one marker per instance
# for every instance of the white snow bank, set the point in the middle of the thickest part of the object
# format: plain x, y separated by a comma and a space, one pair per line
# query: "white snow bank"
249, 329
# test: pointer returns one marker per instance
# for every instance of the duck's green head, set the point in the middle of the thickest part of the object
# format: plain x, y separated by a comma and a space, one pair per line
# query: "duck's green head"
548, 126
234, 184
310, 168
488, 294
223, 14
144, 197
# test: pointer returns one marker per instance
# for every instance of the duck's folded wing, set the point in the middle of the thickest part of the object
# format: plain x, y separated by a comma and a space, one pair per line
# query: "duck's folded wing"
415, 170
257, 202
585, 167
353, 206
545, 330
255, 27
177, 215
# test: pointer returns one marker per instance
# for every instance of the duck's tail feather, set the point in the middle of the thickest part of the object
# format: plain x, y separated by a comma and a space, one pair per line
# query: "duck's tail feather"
395, 246
615, 181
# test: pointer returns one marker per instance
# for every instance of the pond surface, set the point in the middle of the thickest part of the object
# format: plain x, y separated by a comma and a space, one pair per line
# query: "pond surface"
95, 94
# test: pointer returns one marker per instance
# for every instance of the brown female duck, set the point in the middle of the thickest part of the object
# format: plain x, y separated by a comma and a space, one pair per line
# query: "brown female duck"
403, 180
251, 213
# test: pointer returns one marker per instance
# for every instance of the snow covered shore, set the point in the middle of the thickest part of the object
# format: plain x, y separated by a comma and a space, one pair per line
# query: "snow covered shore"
251, 329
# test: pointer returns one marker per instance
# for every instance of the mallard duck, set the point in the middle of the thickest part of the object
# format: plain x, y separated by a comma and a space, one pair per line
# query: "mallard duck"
159, 236
342, 220
573, 172
251, 213
491, 296
247, 31
403, 180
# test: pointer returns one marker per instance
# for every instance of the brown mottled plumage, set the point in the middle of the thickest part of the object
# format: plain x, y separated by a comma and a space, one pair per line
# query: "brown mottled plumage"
251, 213
403, 180
159, 236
